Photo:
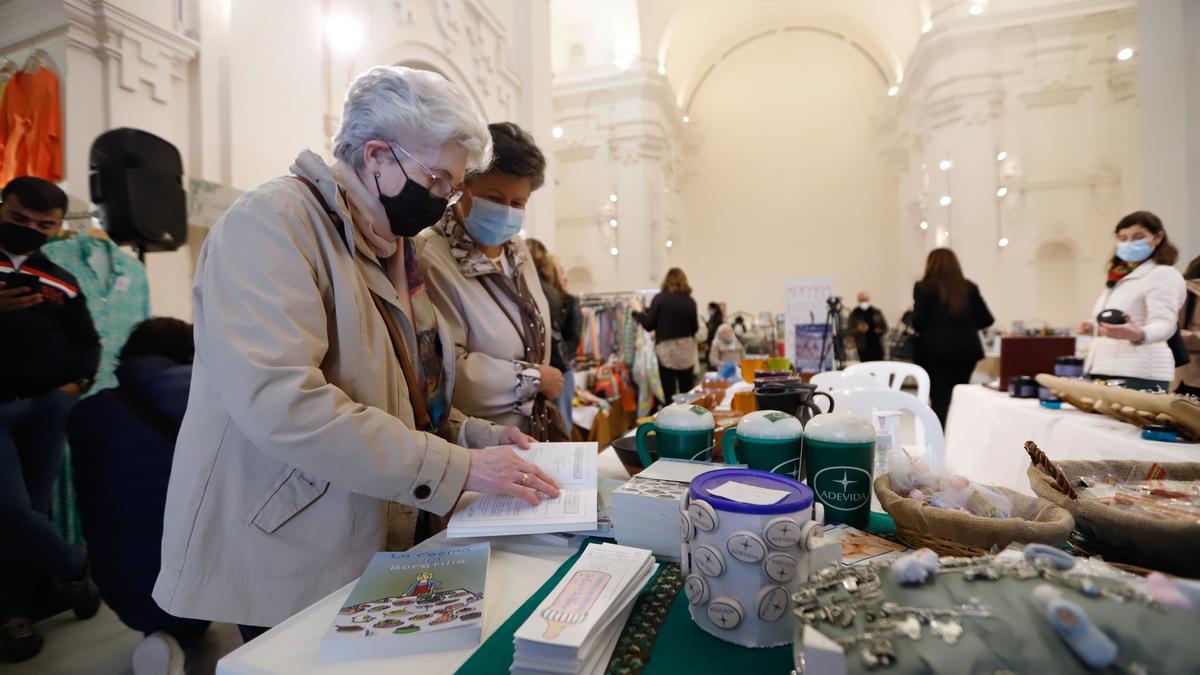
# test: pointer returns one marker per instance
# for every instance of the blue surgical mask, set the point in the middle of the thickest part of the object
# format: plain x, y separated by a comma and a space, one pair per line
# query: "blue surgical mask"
492, 224
1134, 251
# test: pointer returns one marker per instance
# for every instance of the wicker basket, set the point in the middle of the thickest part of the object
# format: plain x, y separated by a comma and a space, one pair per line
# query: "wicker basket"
1167, 545
962, 534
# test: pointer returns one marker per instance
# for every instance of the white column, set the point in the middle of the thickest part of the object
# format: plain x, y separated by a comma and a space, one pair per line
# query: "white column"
535, 107
1169, 68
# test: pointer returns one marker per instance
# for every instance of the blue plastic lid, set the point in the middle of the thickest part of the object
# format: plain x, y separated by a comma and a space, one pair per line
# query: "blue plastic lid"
799, 496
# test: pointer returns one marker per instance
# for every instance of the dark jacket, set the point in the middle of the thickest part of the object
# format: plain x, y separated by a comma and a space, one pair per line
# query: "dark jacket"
870, 342
942, 336
670, 316
122, 466
572, 327
50, 344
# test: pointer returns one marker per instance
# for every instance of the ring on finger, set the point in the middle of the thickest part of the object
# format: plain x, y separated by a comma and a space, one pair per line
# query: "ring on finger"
524, 478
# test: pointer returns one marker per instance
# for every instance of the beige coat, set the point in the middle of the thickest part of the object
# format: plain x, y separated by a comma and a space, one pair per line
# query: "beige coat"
489, 352
299, 427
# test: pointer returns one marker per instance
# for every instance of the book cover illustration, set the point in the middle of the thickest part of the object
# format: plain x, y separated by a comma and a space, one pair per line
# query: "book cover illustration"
416, 593
651, 487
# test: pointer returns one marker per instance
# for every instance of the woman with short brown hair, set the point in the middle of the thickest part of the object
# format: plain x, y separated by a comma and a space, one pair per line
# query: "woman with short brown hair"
672, 316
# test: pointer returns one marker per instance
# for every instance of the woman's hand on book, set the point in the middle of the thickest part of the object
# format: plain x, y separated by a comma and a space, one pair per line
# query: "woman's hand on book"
498, 471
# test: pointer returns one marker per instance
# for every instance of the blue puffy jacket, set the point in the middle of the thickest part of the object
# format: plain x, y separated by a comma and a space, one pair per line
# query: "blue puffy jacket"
122, 466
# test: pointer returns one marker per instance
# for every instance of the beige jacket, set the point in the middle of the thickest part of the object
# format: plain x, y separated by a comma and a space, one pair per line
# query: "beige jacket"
494, 383
299, 428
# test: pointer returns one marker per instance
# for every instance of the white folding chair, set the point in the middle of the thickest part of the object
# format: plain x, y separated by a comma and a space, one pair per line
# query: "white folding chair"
837, 379
864, 402
893, 374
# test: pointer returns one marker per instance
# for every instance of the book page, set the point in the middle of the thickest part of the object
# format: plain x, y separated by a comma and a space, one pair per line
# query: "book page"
569, 464
571, 505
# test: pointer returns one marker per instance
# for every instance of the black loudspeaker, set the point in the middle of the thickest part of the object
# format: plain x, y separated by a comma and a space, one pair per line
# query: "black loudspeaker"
137, 181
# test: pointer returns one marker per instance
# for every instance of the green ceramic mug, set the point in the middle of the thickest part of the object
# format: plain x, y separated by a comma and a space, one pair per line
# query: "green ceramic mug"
839, 457
681, 431
768, 440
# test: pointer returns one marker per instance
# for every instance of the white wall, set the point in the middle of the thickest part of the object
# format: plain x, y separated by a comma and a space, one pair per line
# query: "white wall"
787, 179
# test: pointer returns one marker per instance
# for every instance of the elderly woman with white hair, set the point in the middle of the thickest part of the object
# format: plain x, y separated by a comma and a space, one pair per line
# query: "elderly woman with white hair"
320, 422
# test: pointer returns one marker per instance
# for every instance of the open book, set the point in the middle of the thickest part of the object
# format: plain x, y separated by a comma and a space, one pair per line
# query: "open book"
571, 465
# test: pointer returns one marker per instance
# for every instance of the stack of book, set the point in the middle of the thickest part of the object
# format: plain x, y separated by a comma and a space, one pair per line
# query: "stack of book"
646, 509
577, 626
571, 465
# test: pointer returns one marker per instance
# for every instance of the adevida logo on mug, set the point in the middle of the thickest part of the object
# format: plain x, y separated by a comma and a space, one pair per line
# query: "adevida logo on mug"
844, 488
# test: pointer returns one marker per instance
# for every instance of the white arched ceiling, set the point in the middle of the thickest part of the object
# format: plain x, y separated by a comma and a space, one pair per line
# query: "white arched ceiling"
699, 34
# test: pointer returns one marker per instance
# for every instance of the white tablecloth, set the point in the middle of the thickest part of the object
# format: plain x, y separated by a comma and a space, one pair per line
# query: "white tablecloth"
518, 567
986, 433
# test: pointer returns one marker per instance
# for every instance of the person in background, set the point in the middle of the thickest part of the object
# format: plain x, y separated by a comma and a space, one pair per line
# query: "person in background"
716, 317
573, 317
319, 428
726, 349
1142, 284
483, 281
123, 442
1187, 378
49, 353
948, 313
673, 318
566, 326
868, 327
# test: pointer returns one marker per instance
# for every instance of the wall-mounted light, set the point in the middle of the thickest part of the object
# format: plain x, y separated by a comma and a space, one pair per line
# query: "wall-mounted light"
926, 27
945, 165
924, 225
1001, 156
612, 222
1125, 54
557, 132
614, 251
945, 200
893, 90
686, 119
1003, 242
613, 198
344, 33
975, 9
670, 243
1002, 192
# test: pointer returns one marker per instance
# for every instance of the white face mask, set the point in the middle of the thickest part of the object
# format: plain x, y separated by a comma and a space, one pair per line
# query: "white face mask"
864, 306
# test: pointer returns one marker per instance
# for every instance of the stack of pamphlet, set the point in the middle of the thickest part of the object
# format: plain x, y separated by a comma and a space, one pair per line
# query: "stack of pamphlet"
646, 509
577, 626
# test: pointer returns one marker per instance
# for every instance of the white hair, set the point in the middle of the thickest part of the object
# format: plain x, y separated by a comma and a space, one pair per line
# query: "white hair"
398, 104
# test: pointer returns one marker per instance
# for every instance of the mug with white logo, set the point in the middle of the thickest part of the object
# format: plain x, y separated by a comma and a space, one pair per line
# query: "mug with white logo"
768, 440
839, 456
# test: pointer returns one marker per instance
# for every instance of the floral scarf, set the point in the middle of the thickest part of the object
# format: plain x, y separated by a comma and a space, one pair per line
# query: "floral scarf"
1119, 271
371, 222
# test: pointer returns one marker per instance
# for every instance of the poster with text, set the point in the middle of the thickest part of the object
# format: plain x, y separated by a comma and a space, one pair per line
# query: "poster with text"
805, 305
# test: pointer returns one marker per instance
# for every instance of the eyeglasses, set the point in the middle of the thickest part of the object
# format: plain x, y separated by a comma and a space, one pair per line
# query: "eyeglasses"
437, 185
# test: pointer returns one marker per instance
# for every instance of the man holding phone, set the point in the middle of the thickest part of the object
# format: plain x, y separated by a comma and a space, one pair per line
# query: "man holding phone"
49, 352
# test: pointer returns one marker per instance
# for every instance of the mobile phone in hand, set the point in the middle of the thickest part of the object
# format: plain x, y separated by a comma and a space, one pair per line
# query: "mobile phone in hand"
29, 282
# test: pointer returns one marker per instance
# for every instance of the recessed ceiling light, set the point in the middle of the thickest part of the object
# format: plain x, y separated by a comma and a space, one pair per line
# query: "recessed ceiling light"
612, 223
945, 200
670, 243
557, 132
894, 90
1003, 242
976, 9
924, 225
1001, 156
945, 165
662, 70
613, 198
1125, 54
926, 27
686, 119
613, 250
1002, 192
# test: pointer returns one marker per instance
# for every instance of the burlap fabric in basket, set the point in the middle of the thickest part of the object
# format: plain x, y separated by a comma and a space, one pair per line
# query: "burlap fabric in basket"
1167, 545
1128, 405
957, 533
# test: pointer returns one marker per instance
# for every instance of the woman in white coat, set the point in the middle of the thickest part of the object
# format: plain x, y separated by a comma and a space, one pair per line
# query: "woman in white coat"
319, 422
1143, 285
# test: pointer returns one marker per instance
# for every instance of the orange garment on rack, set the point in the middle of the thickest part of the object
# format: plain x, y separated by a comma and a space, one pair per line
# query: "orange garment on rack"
31, 127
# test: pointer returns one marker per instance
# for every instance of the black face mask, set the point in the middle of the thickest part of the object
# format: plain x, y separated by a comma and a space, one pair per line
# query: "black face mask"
20, 240
414, 209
